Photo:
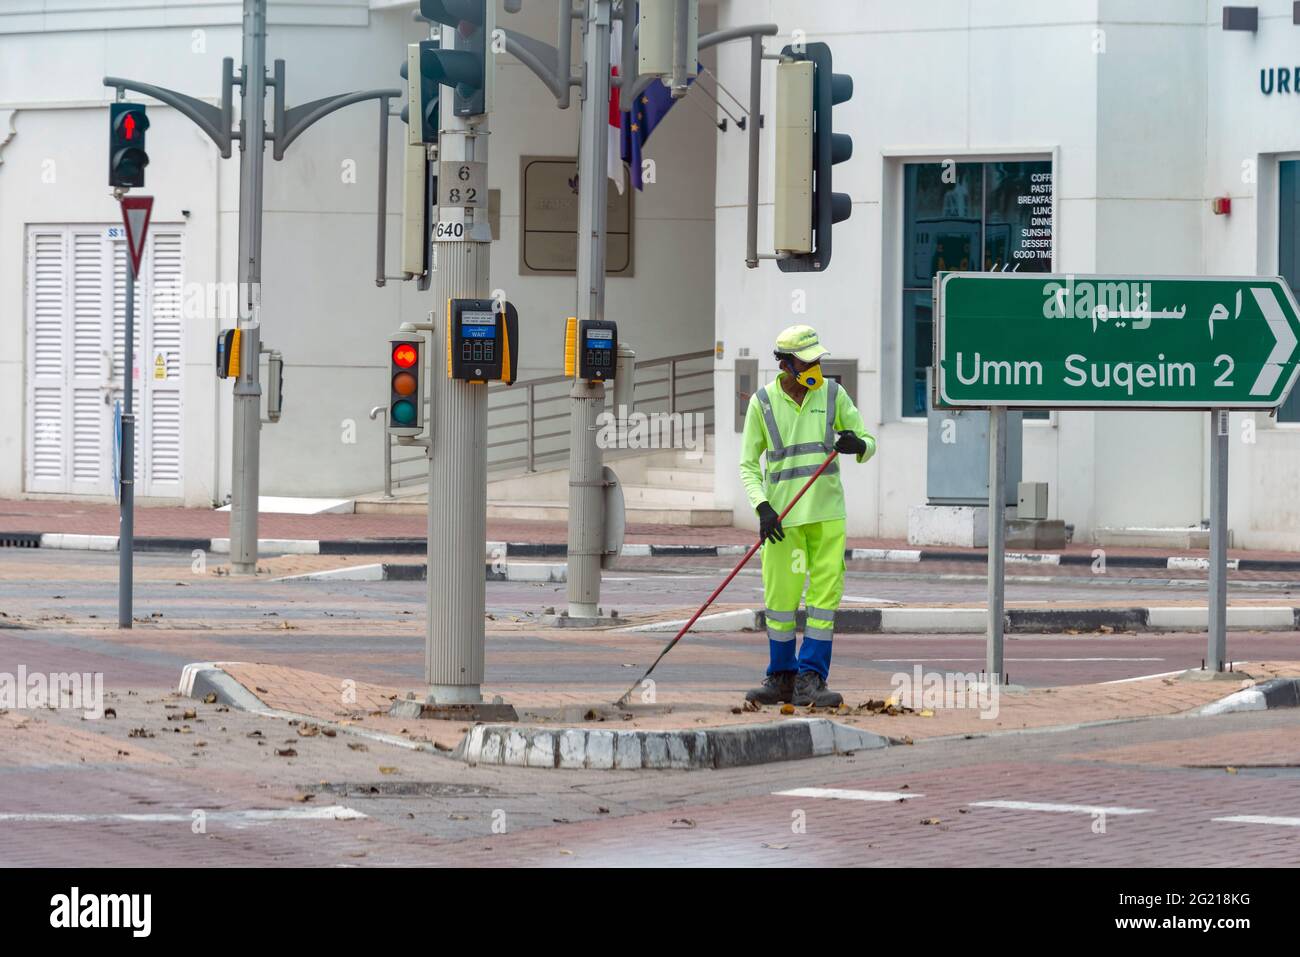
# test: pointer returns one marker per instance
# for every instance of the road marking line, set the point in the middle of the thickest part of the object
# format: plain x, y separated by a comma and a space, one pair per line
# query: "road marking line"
1260, 819
334, 812
841, 794
1163, 674
927, 660
1059, 808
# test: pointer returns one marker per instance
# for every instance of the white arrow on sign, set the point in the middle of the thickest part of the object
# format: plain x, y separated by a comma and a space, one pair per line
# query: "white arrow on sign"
1282, 348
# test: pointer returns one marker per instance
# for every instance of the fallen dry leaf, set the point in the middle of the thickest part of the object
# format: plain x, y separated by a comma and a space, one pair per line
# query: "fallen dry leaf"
286, 752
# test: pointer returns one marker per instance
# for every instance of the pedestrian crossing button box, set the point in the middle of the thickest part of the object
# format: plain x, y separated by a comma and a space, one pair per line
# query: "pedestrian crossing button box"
482, 338
228, 354
597, 349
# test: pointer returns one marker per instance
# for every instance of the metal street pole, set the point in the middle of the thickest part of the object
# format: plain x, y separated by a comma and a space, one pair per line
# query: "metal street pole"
457, 497
1217, 652
245, 459
126, 527
587, 399
997, 541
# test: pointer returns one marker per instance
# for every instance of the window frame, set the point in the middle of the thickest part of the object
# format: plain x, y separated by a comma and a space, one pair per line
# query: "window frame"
1271, 227
891, 269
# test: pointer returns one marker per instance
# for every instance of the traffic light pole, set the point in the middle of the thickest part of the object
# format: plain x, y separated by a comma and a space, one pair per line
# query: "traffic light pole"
587, 398
126, 478
457, 496
252, 135
246, 450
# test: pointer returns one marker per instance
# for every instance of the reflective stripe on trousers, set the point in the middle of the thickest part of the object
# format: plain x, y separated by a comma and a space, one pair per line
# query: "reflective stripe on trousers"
813, 553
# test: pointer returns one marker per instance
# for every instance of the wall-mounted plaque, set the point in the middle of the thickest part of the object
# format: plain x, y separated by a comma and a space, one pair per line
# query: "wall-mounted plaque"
548, 233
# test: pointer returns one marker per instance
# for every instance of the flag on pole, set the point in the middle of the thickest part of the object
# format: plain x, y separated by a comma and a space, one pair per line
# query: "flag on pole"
640, 121
613, 148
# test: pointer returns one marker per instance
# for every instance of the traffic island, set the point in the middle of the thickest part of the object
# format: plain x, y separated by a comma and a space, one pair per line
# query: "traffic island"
694, 726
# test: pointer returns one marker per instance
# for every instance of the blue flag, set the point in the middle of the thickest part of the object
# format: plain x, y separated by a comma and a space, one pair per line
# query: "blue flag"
639, 121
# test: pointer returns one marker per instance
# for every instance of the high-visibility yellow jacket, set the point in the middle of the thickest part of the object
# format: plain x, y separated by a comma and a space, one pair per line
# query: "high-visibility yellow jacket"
795, 439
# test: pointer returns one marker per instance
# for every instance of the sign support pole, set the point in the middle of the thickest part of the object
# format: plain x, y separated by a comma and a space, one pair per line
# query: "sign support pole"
247, 426
1217, 652
457, 522
587, 399
126, 476
997, 541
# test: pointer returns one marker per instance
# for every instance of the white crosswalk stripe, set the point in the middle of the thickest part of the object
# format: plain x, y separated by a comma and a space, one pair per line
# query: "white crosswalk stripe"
1059, 808
841, 794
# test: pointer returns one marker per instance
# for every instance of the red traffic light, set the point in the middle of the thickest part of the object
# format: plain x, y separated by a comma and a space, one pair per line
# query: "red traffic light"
405, 355
128, 126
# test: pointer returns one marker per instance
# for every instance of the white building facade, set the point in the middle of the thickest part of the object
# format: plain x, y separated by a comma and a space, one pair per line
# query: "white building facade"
1117, 121
1140, 113
62, 258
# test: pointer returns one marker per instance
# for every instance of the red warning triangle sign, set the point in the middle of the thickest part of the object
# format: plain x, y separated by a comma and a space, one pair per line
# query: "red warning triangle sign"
136, 211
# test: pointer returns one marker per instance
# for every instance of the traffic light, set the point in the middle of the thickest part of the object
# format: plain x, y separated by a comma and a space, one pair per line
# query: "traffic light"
463, 66
127, 158
422, 92
807, 91
406, 398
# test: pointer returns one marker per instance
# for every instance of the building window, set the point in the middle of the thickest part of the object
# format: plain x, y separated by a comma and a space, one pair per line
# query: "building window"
1288, 254
966, 217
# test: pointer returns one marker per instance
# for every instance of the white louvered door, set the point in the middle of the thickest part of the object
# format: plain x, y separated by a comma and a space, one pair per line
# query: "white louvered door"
47, 317
76, 304
89, 410
160, 366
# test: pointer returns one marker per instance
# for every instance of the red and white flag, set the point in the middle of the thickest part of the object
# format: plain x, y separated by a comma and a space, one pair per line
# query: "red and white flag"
615, 146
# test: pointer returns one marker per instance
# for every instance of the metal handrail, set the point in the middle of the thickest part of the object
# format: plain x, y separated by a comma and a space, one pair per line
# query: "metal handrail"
529, 419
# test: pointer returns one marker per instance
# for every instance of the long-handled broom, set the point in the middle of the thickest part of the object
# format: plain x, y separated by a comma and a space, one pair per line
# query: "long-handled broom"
622, 702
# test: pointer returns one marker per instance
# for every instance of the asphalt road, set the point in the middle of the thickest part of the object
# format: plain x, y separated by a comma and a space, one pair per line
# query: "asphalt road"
129, 791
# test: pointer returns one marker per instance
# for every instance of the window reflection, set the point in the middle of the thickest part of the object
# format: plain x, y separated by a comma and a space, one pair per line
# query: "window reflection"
961, 217
1288, 254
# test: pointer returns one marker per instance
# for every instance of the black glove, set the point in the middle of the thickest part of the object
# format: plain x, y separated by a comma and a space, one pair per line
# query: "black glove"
769, 523
850, 444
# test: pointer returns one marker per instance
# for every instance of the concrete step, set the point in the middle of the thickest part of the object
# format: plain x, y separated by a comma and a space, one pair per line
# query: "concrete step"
662, 476
635, 514
672, 458
661, 496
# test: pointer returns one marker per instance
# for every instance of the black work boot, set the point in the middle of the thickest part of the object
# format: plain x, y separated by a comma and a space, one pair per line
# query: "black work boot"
777, 688
810, 690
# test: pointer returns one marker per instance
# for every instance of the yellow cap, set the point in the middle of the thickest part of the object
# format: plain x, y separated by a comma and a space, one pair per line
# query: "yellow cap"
801, 342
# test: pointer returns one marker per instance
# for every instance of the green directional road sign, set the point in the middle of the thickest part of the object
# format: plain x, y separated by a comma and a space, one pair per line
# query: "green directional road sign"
1141, 342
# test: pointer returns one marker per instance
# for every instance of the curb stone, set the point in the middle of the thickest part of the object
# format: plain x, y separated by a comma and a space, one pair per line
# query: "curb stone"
729, 746
1274, 693
418, 546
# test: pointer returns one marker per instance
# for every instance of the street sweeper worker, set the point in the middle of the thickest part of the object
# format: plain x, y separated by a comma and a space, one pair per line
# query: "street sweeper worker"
795, 422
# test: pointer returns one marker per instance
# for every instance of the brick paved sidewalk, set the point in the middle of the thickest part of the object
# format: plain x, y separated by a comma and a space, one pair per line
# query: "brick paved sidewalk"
51, 515
686, 705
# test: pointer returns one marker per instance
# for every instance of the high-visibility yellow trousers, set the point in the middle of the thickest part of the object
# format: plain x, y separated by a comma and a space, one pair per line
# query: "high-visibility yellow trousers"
814, 555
